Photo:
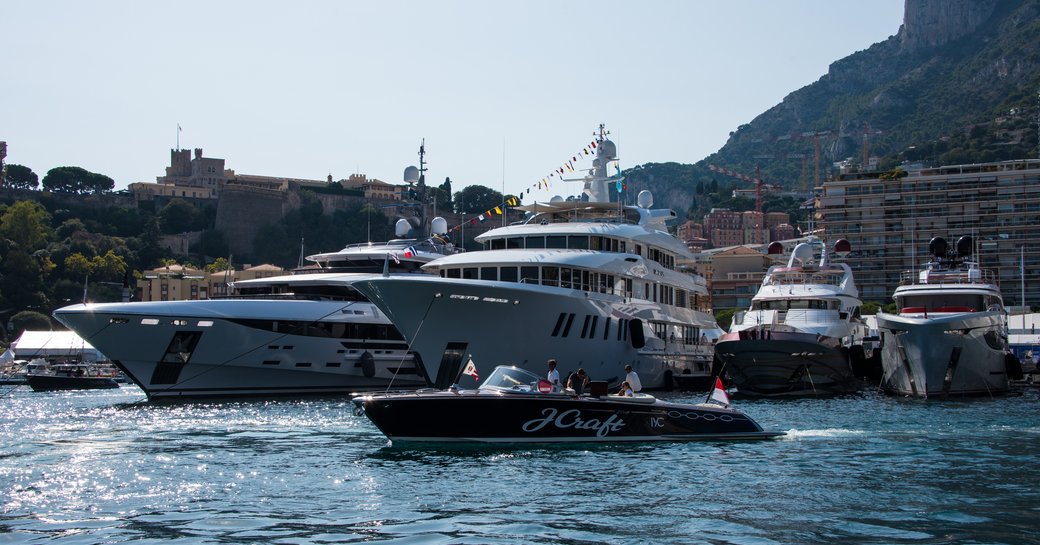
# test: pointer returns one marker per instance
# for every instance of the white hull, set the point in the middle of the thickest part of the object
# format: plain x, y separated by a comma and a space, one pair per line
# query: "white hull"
449, 321
246, 347
945, 354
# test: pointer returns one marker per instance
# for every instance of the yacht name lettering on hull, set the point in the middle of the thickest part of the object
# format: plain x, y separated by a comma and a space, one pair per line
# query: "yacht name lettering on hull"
460, 297
572, 419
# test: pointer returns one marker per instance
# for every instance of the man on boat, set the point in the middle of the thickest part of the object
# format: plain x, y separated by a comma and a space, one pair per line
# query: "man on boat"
632, 379
554, 376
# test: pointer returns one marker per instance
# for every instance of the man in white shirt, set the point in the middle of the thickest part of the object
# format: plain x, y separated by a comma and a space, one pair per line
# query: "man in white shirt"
554, 376
633, 379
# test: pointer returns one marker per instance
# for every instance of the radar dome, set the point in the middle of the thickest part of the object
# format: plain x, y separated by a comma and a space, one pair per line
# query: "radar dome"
411, 175
842, 247
938, 246
556, 199
964, 245
608, 149
439, 226
402, 227
645, 199
775, 248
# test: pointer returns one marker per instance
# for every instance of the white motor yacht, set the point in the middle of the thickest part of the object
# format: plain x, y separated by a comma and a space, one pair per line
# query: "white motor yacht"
950, 334
591, 283
802, 334
298, 334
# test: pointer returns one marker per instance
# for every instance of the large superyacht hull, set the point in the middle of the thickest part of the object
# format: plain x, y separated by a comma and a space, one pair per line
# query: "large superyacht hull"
786, 364
450, 321
944, 355
222, 348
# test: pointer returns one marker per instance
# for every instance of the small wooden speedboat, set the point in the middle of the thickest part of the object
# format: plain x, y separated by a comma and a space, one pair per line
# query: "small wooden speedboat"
516, 406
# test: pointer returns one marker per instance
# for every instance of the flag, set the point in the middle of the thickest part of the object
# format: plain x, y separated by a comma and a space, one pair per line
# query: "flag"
498, 211
471, 370
409, 252
719, 394
481, 218
395, 258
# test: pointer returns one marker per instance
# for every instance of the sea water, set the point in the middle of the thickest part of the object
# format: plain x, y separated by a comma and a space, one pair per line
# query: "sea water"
106, 467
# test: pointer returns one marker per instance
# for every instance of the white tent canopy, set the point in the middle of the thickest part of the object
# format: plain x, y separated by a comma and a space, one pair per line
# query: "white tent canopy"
54, 344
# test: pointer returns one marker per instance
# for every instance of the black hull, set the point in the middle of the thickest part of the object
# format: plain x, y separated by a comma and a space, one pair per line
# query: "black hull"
46, 383
787, 368
494, 418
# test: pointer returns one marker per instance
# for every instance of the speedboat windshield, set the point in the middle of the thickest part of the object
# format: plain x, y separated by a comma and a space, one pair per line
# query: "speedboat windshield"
507, 377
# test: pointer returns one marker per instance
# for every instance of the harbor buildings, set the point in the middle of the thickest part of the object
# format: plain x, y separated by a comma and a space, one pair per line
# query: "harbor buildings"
889, 219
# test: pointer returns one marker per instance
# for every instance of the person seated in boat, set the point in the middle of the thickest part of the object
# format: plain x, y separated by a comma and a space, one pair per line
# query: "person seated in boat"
554, 376
626, 390
632, 379
578, 382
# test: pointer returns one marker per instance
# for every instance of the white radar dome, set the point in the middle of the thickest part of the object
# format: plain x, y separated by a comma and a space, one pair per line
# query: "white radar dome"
402, 227
608, 149
411, 175
439, 226
556, 199
645, 199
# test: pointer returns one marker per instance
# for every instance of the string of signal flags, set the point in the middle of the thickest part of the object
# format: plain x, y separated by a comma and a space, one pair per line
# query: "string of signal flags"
543, 183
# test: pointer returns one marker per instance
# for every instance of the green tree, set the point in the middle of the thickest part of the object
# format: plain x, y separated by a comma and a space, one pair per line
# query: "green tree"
724, 317
78, 264
76, 180
870, 308
27, 224
178, 216
30, 320
21, 177
476, 199
109, 266
219, 264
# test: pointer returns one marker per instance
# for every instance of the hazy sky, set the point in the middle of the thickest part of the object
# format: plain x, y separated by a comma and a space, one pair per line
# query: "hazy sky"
499, 90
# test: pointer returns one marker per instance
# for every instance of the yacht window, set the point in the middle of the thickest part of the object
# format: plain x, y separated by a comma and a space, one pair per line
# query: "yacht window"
628, 287
551, 276
529, 275
586, 284
469, 273
949, 302
565, 277
596, 243
638, 249
508, 274
646, 291
680, 298
452, 273
498, 244
556, 241
536, 242
616, 246
578, 242
489, 273
515, 242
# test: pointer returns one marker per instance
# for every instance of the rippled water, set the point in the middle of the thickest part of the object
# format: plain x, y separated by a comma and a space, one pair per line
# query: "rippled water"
98, 466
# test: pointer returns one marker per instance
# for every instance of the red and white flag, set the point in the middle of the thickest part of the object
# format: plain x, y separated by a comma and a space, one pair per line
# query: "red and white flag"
719, 394
471, 370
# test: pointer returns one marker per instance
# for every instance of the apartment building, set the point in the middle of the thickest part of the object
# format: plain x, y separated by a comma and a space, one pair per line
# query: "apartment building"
889, 220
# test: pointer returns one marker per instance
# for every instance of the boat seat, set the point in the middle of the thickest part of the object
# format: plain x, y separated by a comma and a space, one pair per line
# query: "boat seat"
638, 398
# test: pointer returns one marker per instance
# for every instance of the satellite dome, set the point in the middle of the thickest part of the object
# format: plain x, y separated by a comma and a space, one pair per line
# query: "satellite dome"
842, 247
608, 149
556, 199
411, 175
402, 227
964, 245
439, 226
645, 199
775, 248
938, 246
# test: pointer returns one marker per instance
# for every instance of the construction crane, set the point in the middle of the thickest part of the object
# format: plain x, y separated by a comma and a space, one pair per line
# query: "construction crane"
757, 180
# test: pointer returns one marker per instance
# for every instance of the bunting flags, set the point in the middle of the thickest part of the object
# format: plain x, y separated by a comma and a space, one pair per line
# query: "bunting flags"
543, 183
396, 259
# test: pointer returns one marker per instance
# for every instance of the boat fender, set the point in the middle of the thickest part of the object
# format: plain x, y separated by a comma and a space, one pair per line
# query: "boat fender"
368, 364
1013, 367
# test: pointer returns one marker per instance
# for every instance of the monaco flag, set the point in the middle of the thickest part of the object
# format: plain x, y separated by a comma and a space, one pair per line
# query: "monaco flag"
719, 394
471, 370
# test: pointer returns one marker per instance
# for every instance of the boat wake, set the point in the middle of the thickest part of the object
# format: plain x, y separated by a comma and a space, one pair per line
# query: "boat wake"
828, 432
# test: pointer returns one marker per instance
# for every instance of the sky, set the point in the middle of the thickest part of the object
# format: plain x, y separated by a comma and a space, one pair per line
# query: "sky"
502, 92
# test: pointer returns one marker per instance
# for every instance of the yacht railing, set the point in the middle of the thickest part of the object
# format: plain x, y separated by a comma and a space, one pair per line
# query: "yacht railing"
958, 276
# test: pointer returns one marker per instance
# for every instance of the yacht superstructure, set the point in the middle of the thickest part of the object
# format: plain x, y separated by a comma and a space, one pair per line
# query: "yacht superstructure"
590, 283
